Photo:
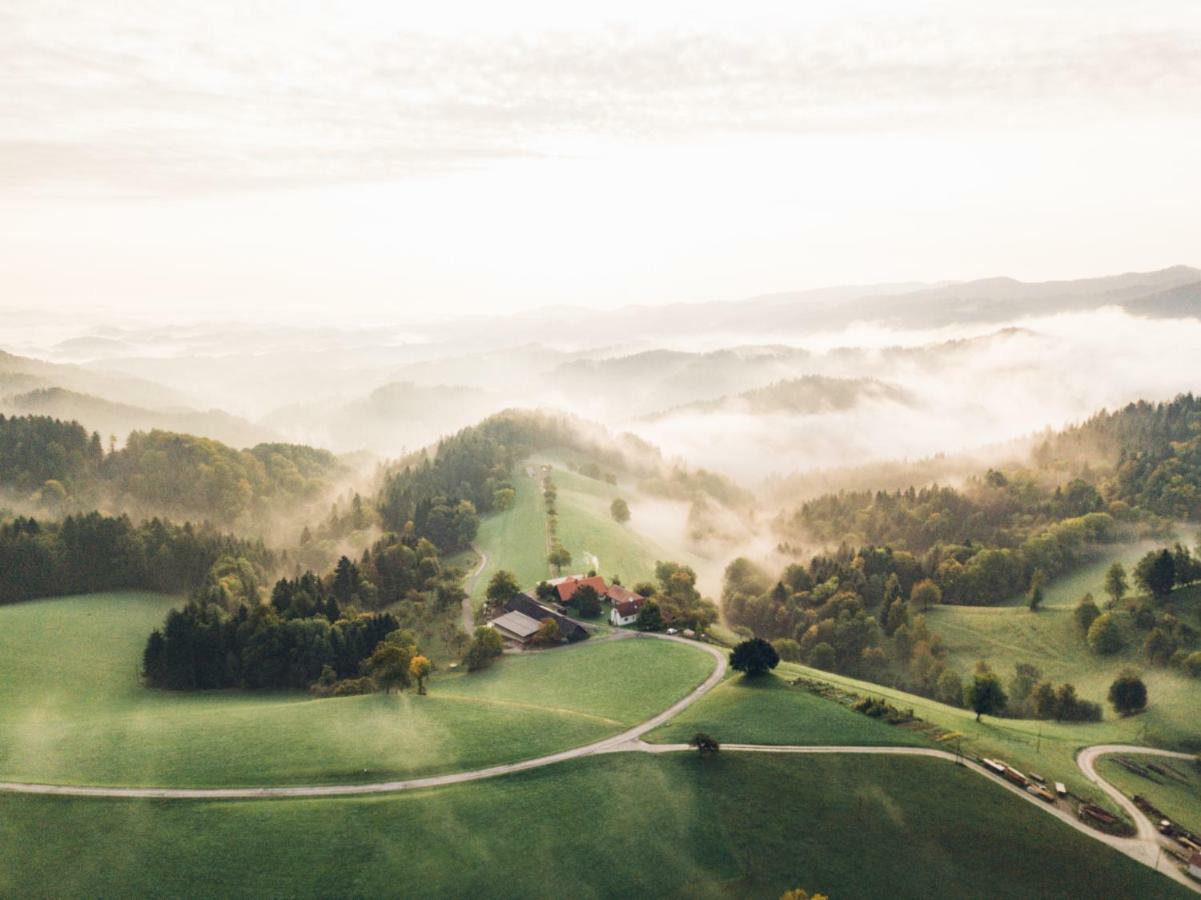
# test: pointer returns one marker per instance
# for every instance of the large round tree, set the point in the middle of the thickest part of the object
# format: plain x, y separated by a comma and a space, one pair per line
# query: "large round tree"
1128, 694
754, 657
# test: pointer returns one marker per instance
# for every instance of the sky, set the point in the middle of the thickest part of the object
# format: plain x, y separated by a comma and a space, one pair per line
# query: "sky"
393, 161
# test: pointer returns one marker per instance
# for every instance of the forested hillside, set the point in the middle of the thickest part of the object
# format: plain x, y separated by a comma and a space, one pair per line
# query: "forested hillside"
1149, 454
91, 552
59, 467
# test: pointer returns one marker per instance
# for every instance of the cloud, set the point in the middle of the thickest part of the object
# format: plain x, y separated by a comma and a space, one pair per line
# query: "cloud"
200, 96
1052, 372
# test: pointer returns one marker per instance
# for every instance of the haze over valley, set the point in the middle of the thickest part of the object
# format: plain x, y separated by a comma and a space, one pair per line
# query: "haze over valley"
651, 450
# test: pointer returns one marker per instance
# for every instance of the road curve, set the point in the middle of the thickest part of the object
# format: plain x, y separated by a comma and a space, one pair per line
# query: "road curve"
616, 742
1144, 847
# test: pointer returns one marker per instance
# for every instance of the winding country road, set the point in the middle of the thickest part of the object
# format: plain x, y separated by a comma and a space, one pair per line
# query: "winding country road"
1144, 847
468, 604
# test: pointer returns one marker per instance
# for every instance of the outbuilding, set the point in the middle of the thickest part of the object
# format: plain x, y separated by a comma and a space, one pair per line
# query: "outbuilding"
516, 627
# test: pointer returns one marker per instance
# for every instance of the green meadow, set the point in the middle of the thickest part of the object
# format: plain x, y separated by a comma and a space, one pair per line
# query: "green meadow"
768, 710
72, 710
1051, 640
516, 538
1177, 795
622, 825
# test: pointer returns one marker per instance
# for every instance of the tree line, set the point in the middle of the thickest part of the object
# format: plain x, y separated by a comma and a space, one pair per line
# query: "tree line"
60, 467
92, 552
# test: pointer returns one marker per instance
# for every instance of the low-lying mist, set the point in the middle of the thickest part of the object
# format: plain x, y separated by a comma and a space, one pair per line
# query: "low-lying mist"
964, 395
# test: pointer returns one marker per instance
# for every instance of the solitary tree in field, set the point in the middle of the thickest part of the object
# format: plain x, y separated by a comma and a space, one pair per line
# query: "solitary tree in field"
559, 557
1116, 584
502, 588
1035, 597
620, 510
754, 657
704, 743
984, 695
420, 668
1128, 693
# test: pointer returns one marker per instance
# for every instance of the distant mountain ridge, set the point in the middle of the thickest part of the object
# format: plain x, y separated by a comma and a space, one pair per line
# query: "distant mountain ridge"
807, 395
111, 418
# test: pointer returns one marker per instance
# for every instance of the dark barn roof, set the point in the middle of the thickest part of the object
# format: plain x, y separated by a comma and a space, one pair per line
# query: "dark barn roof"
523, 603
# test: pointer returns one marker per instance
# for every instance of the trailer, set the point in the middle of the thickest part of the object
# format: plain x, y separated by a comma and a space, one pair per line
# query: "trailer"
1041, 793
1013, 776
1061, 789
993, 766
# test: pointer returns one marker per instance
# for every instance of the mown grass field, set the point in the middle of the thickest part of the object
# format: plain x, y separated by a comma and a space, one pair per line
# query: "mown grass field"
1178, 798
768, 710
72, 711
628, 825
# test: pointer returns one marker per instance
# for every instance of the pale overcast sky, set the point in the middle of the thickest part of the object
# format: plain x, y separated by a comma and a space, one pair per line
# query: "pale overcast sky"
404, 160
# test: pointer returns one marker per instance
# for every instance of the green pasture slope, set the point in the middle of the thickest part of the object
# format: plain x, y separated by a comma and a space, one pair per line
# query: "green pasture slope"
1051, 640
768, 710
72, 711
625, 825
1048, 748
1177, 795
516, 538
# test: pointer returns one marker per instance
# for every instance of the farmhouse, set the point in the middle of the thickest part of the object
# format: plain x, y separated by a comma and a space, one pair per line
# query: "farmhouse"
531, 608
626, 605
566, 587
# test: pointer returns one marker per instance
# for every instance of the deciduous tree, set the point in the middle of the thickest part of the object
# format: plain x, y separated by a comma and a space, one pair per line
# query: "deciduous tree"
984, 695
1128, 693
754, 657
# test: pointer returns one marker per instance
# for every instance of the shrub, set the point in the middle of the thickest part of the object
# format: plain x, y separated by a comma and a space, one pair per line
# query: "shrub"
1192, 664
1104, 636
789, 650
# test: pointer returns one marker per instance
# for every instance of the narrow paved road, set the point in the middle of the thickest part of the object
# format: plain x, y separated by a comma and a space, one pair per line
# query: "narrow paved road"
469, 589
627, 740
1144, 847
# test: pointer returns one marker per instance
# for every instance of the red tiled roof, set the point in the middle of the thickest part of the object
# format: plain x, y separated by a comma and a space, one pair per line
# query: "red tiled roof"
627, 608
567, 588
619, 594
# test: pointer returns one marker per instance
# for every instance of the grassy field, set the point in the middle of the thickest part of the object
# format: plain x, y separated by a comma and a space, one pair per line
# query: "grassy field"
769, 711
1088, 578
1051, 640
515, 539
612, 826
1179, 799
71, 710
1048, 748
